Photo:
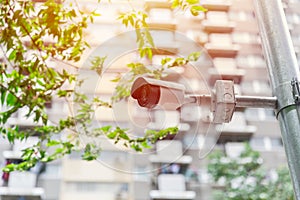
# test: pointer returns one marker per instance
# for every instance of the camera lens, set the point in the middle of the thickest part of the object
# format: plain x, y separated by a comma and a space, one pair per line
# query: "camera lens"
148, 95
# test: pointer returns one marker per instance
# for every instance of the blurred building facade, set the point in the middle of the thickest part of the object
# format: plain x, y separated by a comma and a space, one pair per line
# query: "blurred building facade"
228, 36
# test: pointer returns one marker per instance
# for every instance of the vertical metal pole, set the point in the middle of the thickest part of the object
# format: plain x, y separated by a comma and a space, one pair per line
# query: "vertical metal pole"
282, 66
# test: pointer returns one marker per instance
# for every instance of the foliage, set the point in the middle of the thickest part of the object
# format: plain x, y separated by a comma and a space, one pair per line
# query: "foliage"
193, 5
31, 35
137, 19
136, 69
244, 177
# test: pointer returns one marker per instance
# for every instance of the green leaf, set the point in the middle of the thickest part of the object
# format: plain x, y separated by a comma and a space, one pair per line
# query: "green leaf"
9, 168
112, 135
149, 53
179, 61
89, 156
146, 145
97, 64
175, 4
136, 147
37, 115
124, 136
105, 129
62, 93
11, 99
195, 10
52, 143
44, 118
165, 60
3, 95
90, 152
10, 136
192, 1
12, 55
96, 14
131, 20
199, 8
117, 79
59, 150
194, 56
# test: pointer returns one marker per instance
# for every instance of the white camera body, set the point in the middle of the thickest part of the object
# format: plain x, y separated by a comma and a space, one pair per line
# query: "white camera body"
152, 93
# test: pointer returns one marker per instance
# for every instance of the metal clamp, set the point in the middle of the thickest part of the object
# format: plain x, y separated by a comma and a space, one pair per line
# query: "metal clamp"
223, 101
296, 90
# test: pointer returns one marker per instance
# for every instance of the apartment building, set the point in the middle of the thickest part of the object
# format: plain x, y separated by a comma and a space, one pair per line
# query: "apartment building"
228, 37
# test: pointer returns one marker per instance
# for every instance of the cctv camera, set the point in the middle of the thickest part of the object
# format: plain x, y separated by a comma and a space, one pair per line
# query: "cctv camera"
153, 93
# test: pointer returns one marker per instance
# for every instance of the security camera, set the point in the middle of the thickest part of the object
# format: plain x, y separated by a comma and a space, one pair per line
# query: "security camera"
152, 93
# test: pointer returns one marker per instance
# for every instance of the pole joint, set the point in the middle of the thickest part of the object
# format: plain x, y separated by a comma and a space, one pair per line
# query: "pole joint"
296, 90
294, 100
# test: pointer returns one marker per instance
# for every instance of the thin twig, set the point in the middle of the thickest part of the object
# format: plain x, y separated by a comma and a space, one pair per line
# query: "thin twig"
64, 62
6, 58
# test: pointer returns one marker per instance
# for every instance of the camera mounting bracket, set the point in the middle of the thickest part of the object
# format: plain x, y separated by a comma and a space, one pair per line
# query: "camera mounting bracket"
223, 101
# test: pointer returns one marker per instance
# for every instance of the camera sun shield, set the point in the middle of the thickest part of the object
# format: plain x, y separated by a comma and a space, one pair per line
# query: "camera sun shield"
152, 93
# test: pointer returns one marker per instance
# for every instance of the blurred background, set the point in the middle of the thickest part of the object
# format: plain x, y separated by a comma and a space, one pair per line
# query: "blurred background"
248, 158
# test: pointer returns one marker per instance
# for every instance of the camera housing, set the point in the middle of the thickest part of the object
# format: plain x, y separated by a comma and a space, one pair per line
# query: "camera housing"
153, 93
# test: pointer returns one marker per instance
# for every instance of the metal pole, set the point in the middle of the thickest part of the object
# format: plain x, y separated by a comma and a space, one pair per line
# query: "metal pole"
255, 102
283, 68
240, 101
